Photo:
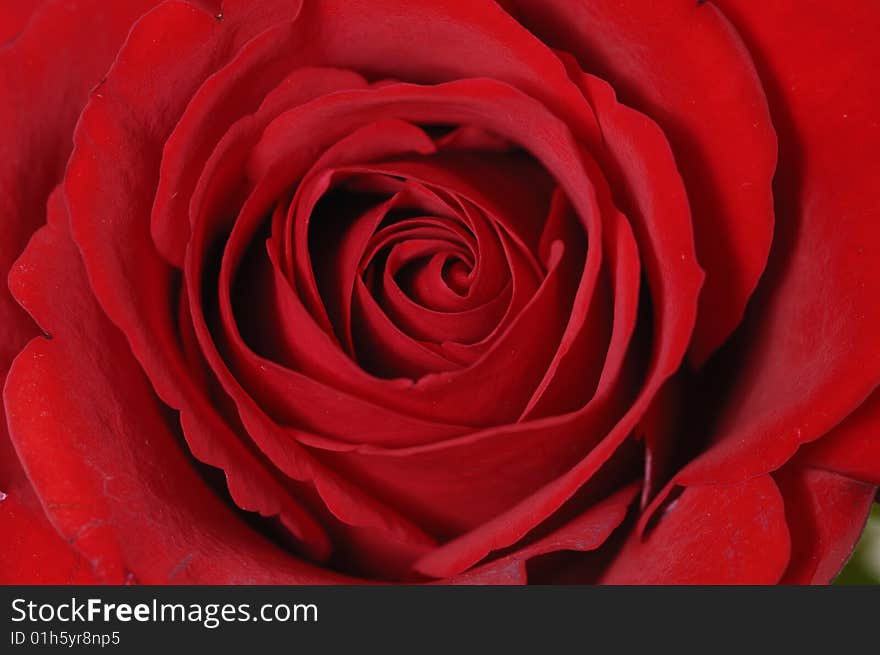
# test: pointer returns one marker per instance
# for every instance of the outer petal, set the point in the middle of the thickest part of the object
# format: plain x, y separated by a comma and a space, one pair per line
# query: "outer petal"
679, 62
826, 514
582, 534
811, 353
716, 534
32, 551
42, 90
101, 450
852, 449
164, 37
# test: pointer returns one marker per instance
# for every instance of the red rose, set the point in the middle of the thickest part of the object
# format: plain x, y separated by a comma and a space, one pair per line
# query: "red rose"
416, 290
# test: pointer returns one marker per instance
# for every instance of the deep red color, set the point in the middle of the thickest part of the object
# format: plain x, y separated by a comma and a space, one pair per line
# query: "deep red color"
438, 290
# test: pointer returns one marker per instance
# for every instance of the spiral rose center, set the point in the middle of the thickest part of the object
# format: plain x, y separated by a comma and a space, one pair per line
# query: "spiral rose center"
417, 264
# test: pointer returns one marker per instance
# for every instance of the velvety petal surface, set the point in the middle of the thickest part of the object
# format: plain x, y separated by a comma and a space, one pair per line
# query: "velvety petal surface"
714, 534
666, 60
132, 505
810, 352
826, 514
52, 84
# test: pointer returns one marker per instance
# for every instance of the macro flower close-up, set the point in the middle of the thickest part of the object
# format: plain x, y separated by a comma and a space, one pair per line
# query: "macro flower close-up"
438, 291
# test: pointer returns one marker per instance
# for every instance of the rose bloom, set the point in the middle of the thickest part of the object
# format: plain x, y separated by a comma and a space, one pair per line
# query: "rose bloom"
458, 291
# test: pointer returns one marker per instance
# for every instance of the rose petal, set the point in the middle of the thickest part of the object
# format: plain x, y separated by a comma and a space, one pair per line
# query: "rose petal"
52, 83
826, 514
122, 491
733, 534
33, 552
666, 59
584, 533
851, 449
810, 354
